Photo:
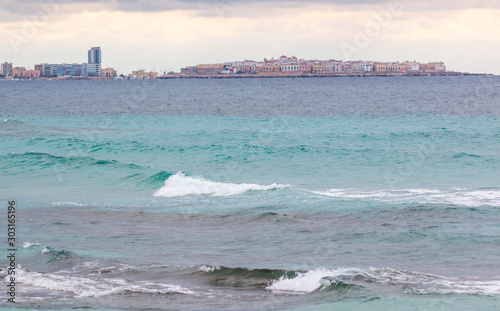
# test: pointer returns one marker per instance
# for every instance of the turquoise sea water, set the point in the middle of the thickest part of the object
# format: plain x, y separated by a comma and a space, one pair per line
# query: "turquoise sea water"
259, 194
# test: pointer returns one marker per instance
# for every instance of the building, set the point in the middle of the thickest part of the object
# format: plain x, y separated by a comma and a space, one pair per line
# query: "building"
436, 67
16, 71
30, 74
94, 64
318, 67
305, 67
108, 73
93, 70
412, 66
367, 66
40, 68
389, 67
142, 74
274, 68
355, 66
7, 69
95, 55
188, 70
209, 69
290, 67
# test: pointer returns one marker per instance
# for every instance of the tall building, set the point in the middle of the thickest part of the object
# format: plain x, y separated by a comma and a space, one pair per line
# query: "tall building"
7, 69
95, 55
94, 64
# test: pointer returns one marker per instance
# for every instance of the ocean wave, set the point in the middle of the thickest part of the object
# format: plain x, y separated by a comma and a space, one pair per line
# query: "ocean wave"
306, 282
56, 255
410, 282
180, 185
30, 245
243, 277
86, 287
462, 197
43, 160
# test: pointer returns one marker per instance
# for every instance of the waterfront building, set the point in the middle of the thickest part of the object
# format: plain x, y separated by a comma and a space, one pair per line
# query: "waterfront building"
423, 67
270, 68
94, 64
188, 70
305, 67
290, 68
142, 74
61, 70
329, 67
40, 68
436, 67
95, 55
30, 74
412, 66
353, 66
390, 67
108, 73
318, 67
379, 67
367, 66
209, 69
7, 69
16, 71
93, 70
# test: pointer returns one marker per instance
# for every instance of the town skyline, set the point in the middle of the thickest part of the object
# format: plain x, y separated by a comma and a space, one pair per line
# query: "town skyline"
168, 35
286, 66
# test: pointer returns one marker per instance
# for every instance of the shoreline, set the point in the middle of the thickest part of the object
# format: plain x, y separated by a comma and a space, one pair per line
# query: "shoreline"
272, 75
320, 75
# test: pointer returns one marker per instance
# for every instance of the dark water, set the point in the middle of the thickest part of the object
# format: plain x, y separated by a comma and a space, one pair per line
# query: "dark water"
258, 194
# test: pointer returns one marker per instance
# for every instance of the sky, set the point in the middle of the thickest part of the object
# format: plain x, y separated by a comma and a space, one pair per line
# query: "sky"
167, 35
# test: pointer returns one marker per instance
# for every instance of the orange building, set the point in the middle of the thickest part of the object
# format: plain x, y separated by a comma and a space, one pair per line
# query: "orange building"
268, 68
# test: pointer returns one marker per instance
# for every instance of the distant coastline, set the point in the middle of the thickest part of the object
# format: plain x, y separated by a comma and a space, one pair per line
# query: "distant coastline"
283, 67
317, 75
264, 76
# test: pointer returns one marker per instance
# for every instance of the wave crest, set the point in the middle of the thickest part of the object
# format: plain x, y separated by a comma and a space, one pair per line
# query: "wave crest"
180, 185
411, 282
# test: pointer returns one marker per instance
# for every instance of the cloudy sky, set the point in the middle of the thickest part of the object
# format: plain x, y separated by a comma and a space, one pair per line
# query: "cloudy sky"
168, 34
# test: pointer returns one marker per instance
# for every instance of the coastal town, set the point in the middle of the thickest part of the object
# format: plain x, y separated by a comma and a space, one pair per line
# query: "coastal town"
283, 66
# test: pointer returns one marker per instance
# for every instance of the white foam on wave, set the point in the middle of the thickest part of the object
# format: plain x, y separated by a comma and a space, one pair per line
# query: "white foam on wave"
209, 269
306, 282
412, 282
180, 185
86, 287
28, 244
422, 283
465, 197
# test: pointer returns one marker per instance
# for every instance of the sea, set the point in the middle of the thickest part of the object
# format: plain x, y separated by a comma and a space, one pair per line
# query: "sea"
361, 193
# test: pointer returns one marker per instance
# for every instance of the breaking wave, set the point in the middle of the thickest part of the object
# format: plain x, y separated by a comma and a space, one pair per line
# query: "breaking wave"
180, 185
410, 282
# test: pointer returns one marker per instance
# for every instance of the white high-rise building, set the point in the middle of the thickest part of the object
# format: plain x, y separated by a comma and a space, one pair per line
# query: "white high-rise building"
94, 64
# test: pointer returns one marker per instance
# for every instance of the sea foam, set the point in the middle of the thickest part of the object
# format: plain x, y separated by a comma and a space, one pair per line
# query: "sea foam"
464, 197
86, 287
411, 282
305, 282
180, 185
